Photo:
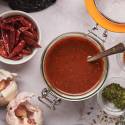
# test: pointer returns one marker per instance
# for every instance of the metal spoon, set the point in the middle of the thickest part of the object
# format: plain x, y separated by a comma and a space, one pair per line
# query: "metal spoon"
119, 48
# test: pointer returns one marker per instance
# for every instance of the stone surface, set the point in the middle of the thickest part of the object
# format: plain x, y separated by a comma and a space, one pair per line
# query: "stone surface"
64, 16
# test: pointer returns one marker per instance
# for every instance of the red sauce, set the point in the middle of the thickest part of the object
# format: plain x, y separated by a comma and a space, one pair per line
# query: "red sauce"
66, 67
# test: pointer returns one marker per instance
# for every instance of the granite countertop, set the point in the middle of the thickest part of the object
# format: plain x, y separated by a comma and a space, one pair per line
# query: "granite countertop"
64, 16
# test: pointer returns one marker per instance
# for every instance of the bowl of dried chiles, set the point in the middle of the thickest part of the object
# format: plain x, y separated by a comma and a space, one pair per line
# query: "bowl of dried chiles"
19, 37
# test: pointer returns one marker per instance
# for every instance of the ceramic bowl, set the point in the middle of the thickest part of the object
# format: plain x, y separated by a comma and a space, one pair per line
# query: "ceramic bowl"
25, 58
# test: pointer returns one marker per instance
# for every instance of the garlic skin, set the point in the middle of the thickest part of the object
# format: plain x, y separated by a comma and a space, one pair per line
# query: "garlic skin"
23, 98
4, 75
10, 92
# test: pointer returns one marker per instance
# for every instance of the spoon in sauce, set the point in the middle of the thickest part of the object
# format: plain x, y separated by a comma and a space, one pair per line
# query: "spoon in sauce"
119, 48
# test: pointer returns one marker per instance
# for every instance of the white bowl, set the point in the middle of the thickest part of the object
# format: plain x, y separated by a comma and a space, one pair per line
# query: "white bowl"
25, 58
106, 106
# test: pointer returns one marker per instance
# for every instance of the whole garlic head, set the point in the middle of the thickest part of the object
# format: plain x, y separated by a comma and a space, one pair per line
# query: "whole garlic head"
21, 111
8, 87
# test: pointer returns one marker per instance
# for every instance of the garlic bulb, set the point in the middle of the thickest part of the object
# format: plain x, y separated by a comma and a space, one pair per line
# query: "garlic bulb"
21, 111
8, 87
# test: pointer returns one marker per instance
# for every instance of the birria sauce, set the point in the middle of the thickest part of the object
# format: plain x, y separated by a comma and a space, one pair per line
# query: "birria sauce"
66, 67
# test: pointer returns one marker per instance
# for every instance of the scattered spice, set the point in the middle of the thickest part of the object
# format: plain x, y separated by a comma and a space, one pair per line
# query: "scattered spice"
91, 108
98, 117
88, 113
94, 121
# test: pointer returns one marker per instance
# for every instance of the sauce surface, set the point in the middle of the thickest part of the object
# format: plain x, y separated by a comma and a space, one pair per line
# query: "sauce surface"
66, 67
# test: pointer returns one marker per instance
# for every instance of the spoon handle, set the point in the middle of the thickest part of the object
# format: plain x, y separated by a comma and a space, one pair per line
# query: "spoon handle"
114, 50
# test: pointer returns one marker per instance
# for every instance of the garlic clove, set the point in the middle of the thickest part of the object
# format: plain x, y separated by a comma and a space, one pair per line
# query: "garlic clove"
2, 85
21, 111
8, 87
9, 93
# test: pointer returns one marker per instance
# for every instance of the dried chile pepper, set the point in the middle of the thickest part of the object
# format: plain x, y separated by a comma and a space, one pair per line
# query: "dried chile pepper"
23, 29
16, 51
34, 32
6, 42
26, 52
11, 19
20, 56
17, 37
30, 35
6, 27
25, 22
12, 38
3, 52
31, 42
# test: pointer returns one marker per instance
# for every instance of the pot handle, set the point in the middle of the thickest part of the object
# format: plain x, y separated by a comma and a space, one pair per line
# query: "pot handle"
49, 99
96, 28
